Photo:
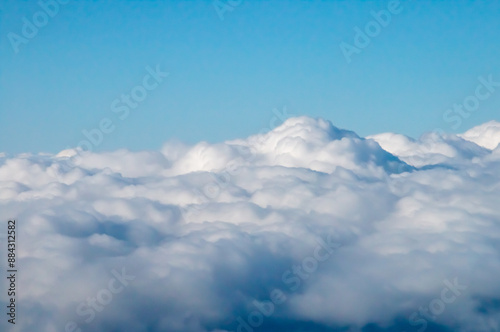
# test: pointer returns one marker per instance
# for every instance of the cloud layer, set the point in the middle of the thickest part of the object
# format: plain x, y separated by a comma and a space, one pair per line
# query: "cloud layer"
214, 235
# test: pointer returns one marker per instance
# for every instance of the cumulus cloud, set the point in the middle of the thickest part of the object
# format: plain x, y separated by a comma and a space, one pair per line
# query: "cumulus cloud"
486, 135
305, 228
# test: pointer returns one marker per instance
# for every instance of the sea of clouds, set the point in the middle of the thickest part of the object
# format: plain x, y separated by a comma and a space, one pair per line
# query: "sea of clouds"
305, 228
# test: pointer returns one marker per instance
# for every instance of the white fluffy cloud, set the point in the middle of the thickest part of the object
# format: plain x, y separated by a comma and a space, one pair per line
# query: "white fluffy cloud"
486, 135
208, 230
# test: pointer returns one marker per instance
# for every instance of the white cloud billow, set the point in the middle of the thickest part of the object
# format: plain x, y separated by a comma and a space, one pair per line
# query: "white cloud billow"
209, 228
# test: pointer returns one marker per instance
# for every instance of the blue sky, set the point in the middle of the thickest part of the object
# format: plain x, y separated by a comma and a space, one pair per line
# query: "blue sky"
226, 76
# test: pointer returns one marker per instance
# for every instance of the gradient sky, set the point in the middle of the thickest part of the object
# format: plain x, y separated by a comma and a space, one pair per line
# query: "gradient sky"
226, 76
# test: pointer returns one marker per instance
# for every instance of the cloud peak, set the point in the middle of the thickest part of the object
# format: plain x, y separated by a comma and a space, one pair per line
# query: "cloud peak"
209, 230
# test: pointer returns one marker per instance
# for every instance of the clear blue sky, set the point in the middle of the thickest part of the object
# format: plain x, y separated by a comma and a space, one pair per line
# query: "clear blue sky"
226, 76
